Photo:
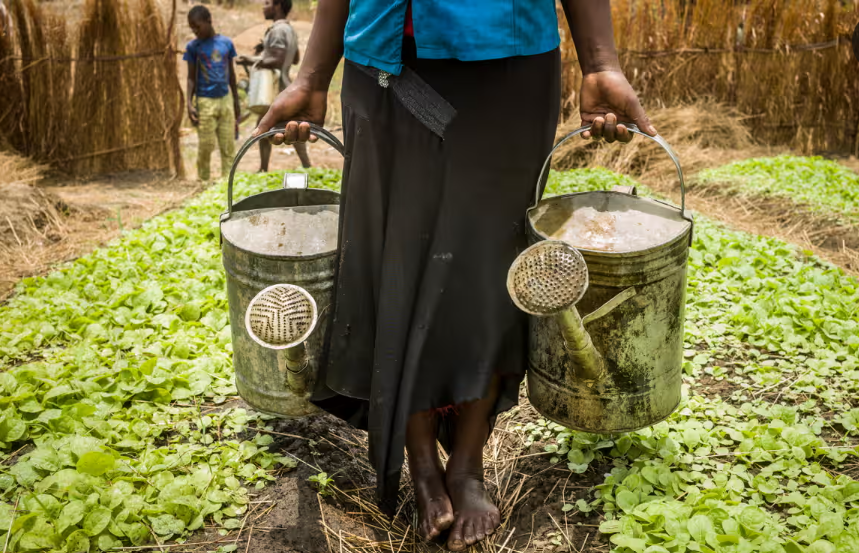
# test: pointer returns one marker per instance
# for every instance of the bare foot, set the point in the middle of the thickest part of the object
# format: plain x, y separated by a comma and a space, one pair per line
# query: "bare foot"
435, 513
476, 516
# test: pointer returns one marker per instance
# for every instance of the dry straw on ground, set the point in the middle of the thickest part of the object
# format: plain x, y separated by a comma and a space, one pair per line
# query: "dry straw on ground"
380, 534
788, 65
101, 97
28, 215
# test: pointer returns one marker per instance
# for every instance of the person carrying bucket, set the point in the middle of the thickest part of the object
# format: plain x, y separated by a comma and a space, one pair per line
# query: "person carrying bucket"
213, 99
449, 111
279, 49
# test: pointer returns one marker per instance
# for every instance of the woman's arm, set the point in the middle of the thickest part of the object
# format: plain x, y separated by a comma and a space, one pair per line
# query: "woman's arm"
307, 97
607, 99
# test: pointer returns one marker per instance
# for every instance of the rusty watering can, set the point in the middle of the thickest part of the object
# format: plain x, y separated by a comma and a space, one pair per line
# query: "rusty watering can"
278, 302
606, 344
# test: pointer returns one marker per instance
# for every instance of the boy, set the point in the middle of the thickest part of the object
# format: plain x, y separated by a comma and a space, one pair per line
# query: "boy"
213, 101
279, 50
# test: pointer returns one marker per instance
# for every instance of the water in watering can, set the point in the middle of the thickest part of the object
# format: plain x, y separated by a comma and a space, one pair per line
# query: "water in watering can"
616, 231
288, 231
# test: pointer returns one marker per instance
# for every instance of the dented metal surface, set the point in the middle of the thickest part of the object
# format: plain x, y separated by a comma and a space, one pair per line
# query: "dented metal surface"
276, 381
640, 339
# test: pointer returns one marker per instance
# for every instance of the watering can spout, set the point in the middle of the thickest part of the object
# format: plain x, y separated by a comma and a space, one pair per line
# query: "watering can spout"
292, 363
281, 318
590, 367
588, 363
548, 279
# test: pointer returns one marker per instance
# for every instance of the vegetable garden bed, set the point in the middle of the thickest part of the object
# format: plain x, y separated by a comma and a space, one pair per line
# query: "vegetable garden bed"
116, 428
818, 196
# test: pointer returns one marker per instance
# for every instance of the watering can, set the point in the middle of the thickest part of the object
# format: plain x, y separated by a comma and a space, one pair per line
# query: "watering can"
277, 302
606, 335
262, 89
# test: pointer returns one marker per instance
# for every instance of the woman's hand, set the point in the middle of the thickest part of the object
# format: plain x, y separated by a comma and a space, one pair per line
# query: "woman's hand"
297, 103
608, 101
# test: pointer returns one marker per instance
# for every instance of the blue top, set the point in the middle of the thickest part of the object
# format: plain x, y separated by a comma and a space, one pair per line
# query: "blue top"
213, 57
467, 30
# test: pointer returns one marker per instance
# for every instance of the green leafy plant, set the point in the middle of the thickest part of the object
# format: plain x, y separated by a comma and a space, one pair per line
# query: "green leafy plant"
115, 377
321, 482
115, 371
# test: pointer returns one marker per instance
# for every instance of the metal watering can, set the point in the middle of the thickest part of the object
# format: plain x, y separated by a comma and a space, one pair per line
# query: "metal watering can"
606, 338
277, 327
262, 89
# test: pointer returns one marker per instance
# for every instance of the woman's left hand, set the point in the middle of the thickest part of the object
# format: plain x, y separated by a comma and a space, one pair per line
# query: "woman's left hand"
608, 101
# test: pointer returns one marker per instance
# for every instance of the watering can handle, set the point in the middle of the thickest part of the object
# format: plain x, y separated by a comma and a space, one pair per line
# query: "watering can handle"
323, 134
544, 173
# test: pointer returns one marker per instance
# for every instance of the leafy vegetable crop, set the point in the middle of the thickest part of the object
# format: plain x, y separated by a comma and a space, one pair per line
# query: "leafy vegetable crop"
116, 371
822, 185
762, 469
116, 429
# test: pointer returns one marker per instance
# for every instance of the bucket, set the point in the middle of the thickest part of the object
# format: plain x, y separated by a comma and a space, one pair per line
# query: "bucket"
262, 379
263, 89
633, 309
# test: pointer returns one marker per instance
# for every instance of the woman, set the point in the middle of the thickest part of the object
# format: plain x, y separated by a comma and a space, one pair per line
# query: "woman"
449, 109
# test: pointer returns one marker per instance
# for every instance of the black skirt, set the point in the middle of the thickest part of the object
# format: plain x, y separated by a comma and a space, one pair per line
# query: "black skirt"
421, 318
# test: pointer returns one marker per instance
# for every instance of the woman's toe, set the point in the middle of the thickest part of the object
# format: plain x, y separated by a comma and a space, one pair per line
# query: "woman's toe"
443, 519
456, 541
469, 533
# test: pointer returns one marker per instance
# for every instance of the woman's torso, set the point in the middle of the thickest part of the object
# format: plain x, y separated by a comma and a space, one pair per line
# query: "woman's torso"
449, 29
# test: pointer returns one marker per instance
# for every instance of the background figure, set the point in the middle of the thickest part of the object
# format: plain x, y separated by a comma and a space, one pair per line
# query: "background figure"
279, 49
213, 101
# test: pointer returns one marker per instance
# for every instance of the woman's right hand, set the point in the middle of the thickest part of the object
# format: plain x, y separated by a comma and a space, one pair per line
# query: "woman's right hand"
297, 103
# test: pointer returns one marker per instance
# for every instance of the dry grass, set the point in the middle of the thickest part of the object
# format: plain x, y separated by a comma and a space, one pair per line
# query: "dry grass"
53, 224
675, 51
106, 100
703, 134
507, 485
827, 237
29, 216
15, 169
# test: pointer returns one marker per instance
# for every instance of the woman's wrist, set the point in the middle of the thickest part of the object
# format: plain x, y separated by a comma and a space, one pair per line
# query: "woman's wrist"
313, 80
596, 57
598, 65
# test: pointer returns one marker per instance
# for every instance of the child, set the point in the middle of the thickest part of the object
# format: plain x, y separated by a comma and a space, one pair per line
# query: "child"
213, 102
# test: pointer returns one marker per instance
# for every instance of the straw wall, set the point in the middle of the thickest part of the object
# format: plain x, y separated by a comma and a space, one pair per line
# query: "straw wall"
99, 98
787, 64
